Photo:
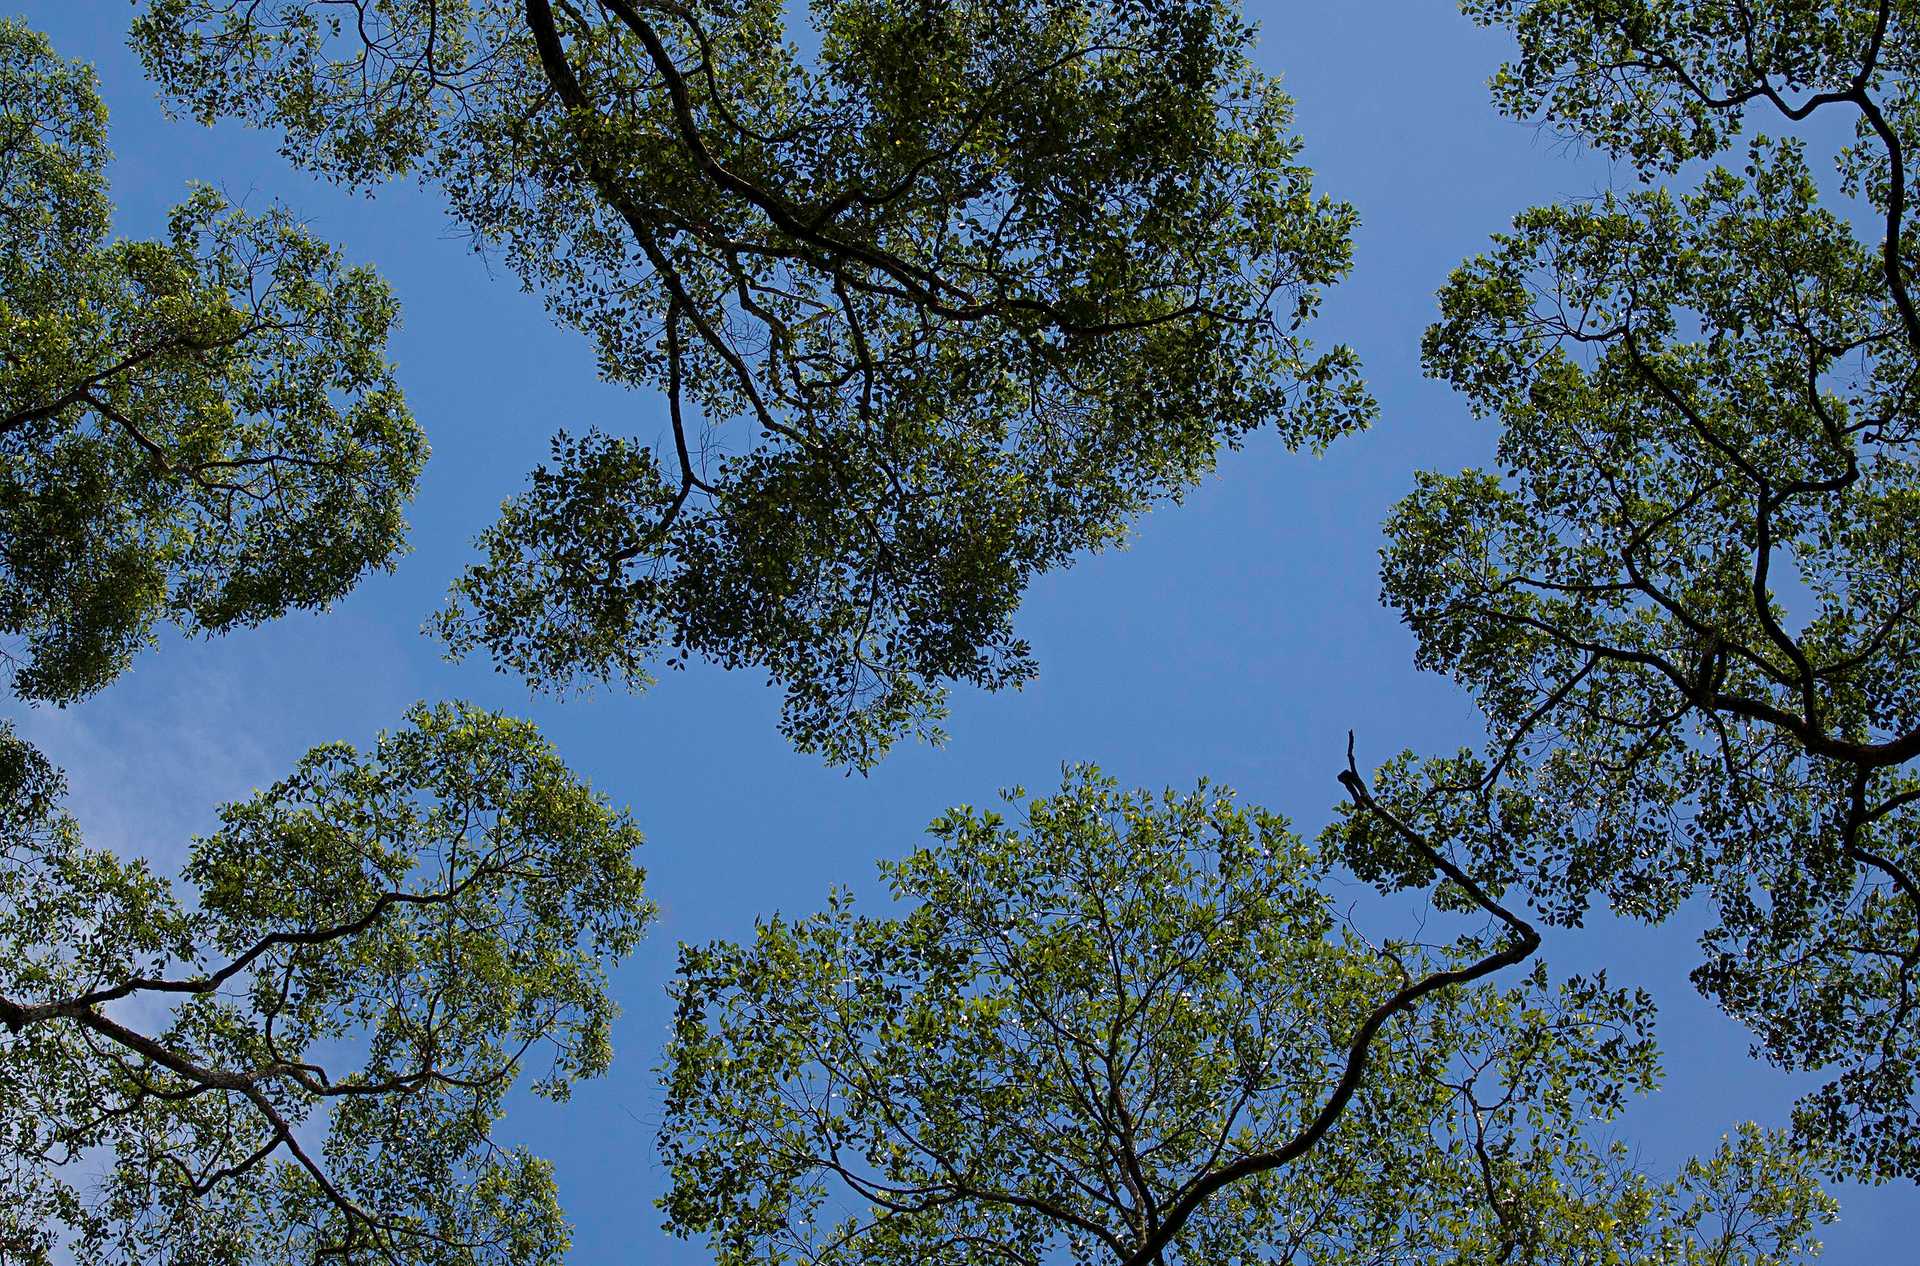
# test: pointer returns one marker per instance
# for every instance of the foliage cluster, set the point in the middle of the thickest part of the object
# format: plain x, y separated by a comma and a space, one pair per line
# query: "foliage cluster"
934, 310
203, 429
1687, 602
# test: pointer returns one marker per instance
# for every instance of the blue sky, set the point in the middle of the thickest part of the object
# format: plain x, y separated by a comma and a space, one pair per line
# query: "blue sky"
1239, 637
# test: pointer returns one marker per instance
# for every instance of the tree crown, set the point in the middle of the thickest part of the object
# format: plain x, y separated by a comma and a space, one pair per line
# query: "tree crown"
934, 309
202, 429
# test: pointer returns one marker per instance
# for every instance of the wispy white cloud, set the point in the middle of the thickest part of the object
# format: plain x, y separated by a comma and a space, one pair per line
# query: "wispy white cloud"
147, 768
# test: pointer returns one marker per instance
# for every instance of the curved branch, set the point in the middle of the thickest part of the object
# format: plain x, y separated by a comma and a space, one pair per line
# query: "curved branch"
1522, 945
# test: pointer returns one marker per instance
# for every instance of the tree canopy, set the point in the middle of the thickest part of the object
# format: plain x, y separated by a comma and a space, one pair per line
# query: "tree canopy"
1687, 602
304, 1061
1132, 1029
202, 429
935, 306
938, 297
